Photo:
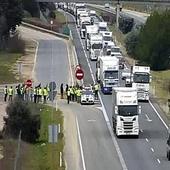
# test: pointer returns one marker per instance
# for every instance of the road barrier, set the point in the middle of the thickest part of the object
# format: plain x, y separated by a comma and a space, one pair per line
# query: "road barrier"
46, 30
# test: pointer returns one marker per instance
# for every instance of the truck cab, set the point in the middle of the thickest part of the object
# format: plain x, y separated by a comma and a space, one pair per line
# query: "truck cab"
102, 26
140, 79
107, 73
126, 111
90, 29
107, 37
95, 47
84, 21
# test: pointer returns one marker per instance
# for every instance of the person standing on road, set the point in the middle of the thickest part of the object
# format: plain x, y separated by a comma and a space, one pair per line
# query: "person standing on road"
45, 93
35, 95
68, 96
5, 93
96, 89
10, 92
78, 95
61, 90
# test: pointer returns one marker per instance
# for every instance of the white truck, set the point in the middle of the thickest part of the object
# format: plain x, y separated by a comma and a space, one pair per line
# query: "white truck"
90, 29
140, 79
107, 73
107, 37
102, 26
84, 21
81, 15
126, 111
95, 47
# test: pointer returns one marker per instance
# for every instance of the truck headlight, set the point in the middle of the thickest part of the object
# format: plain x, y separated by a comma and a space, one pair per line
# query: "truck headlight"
134, 119
121, 119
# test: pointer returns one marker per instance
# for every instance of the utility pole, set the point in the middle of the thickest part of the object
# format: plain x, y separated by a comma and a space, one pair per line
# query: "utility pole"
117, 14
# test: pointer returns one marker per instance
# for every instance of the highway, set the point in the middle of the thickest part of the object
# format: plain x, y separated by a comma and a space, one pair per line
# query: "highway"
96, 146
149, 151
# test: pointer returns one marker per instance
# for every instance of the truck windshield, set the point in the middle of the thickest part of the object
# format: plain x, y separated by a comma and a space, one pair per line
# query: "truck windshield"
106, 38
111, 74
127, 110
102, 29
141, 78
116, 50
97, 46
84, 25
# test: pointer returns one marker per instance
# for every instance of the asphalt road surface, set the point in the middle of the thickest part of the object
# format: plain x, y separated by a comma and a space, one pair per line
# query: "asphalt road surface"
149, 151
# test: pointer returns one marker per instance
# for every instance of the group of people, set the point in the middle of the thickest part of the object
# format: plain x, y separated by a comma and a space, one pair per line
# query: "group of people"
34, 94
73, 93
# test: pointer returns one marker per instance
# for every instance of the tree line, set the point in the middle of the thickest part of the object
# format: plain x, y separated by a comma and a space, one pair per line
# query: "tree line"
151, 43
12, 13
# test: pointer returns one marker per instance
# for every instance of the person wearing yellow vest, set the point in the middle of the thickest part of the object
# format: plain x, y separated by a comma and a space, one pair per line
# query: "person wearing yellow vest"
96, 89
45, 93
68, 96
40, 94
5, 93
72, 94
78, 95
10, 93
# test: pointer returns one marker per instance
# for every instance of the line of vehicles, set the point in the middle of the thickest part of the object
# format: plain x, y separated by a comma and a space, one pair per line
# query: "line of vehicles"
127, 86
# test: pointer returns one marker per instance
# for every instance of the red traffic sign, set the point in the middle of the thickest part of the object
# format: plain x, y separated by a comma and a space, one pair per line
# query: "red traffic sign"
28, 83
79, 74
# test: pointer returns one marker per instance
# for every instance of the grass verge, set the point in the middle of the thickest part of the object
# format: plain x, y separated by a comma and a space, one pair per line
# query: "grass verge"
60, 17
41, 155
7, 61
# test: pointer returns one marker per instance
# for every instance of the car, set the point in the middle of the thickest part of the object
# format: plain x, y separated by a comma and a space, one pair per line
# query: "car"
168, 148
107, 5
87, 96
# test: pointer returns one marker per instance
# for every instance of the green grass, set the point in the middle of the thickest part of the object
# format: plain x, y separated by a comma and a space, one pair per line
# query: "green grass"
45, 156
60, 17
7, 61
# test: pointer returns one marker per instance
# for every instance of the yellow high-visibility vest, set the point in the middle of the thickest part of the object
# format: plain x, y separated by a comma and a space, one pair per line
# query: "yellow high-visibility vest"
10, 91
45, 92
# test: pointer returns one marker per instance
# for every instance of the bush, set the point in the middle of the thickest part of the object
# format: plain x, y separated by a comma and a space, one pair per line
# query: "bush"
131, 42
20, 117
16, 44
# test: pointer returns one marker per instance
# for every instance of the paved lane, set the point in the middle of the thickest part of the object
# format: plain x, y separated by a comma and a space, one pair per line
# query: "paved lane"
139, 153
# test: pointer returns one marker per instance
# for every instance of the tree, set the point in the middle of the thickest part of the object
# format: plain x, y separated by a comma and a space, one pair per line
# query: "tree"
21, 118
154, 41
11, 14
131, 42
32, 7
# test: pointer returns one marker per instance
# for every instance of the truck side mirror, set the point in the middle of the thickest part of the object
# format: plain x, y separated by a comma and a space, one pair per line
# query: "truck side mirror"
116, 110
140, 109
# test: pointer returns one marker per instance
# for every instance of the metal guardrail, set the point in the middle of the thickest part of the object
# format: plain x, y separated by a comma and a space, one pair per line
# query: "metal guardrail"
45, 30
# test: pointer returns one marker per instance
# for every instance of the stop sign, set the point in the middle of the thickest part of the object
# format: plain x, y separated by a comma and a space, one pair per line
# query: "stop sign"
28, 83
79, 74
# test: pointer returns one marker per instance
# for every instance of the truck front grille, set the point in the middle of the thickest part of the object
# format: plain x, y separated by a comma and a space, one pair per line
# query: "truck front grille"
128, 126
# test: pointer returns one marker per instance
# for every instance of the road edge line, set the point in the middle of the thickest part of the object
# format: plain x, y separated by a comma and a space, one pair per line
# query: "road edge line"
80, 144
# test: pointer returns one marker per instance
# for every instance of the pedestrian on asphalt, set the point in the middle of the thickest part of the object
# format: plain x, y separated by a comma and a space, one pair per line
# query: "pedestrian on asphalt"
45, 94
71, 94
5, 93
68, 96
61, 90
96, 89
10, 93
35, 95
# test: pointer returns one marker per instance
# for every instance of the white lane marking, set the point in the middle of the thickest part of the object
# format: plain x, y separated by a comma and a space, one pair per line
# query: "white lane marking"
80, 143
147, 140
91, 120
148, 119
159, 115
152, 150
35, 59
158, 161
106, 118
